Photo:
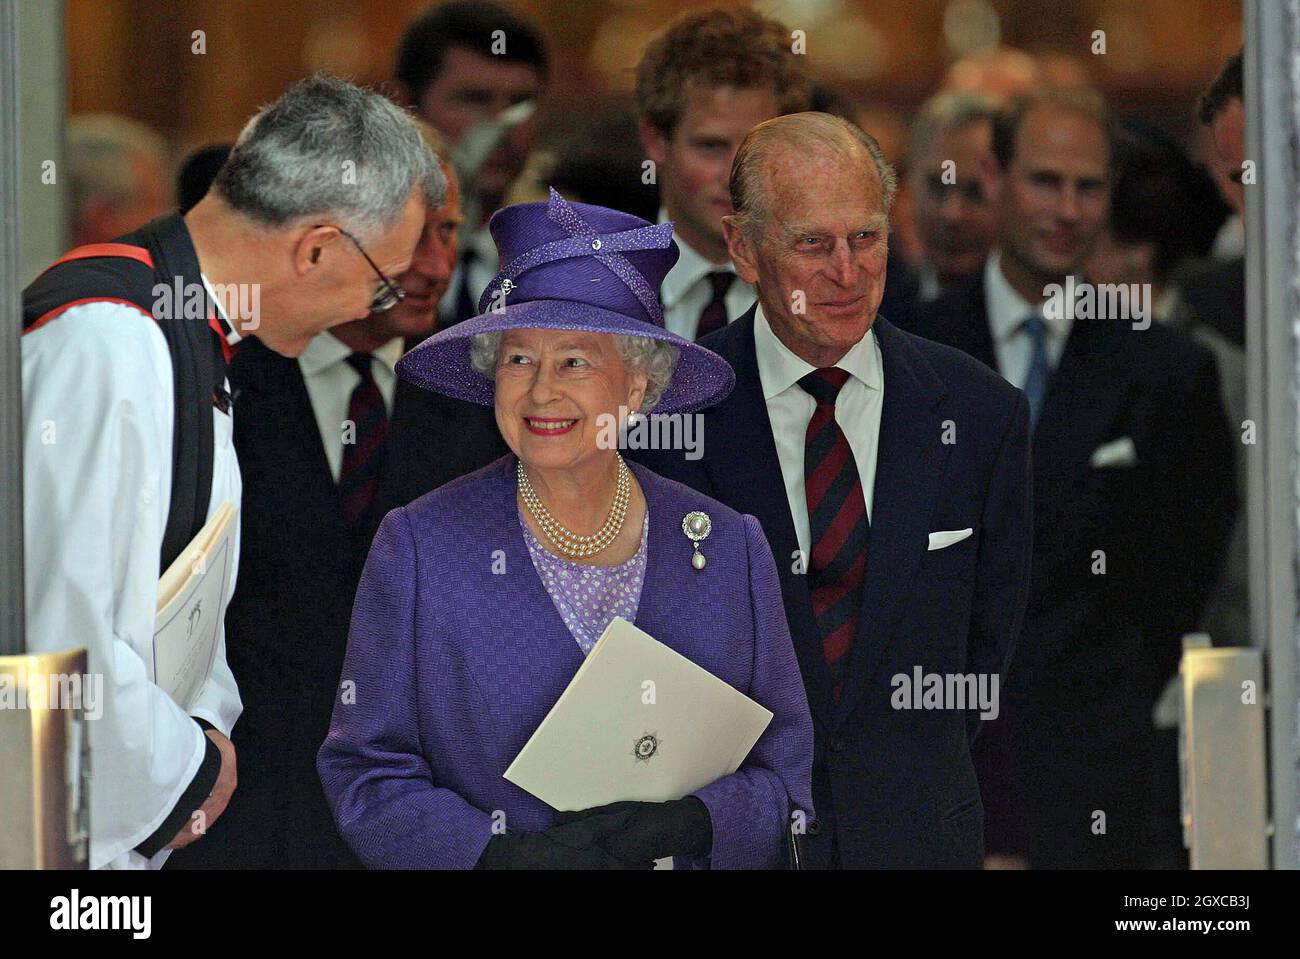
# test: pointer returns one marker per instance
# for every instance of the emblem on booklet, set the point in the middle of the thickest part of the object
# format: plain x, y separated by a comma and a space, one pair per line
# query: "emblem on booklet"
645, 747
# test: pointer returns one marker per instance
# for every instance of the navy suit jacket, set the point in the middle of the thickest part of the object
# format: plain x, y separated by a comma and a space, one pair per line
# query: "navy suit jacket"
895, 787
1098, 647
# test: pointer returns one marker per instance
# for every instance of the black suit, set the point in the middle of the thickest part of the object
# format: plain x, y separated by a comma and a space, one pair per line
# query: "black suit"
1098, 647
1215, 292
892, 787
299, 565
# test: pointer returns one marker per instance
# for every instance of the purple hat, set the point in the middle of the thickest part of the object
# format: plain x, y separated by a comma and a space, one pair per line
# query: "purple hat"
572, 266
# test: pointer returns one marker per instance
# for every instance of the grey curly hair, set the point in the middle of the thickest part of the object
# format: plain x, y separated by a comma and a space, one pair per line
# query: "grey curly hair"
655, 358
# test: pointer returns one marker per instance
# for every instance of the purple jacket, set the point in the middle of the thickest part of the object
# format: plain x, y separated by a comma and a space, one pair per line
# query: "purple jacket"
457, 653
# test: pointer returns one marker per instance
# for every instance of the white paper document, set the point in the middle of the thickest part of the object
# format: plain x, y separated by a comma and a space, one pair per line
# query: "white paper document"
638, 721
191, 605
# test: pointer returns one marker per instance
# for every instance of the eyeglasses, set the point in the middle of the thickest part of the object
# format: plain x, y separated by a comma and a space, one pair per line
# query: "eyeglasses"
390, 294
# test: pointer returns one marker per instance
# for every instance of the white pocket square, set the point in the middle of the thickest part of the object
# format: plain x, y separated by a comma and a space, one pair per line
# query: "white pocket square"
946, 537
1120, 452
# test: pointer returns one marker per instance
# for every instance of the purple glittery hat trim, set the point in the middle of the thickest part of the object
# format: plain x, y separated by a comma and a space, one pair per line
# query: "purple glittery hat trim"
441, 363
572, 266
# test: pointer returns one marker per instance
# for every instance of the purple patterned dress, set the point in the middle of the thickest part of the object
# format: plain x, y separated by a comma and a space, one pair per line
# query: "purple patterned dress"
589, 597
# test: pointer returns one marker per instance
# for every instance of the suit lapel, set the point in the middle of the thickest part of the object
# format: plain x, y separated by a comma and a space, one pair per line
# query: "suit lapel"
746, 475
1082, 389
276, 415
910, 459
967, 331
1085, 396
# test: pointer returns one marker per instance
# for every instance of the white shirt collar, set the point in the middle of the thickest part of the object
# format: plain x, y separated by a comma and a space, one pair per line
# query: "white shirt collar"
232, 332
690, 268
1007, 309
779, 368
325, 349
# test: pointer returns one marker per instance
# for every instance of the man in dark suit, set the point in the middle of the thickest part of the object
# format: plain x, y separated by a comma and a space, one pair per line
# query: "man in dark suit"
891, 477
328, 444
1133, 491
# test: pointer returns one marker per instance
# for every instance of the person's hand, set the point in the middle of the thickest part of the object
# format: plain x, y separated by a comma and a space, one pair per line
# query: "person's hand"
216, 803
652, 830
574, 844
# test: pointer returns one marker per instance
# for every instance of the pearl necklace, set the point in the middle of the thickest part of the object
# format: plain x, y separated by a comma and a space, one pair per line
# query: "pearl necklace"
565, 540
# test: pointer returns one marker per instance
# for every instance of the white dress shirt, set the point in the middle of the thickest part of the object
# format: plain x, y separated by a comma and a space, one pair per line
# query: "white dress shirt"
98, 409
330, 380
686, 289
790, 408
1007, 311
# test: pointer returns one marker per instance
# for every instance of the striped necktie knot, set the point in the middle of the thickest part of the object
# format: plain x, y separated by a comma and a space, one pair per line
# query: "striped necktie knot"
824, 385
721, 280
361, 363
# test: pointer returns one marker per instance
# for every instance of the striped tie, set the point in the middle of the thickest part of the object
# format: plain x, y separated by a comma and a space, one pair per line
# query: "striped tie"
363, 457
837, 522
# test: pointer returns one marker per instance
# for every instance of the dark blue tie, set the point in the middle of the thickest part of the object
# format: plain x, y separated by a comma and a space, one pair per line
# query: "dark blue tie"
1039, 373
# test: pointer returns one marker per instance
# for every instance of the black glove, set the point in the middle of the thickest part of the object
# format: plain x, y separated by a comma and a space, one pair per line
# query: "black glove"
652, 830
571, 845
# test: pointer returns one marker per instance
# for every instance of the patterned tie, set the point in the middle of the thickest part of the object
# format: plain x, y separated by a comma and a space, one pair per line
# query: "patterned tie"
837, 522
714, 315
363, 457
1039, 372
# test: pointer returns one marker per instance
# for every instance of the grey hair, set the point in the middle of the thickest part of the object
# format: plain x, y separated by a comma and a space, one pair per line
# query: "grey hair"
655, 358
943, 114
100, 148
327, 147
798, 130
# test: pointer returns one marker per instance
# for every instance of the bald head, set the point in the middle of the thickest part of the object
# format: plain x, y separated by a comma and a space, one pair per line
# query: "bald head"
811, 230
788, 147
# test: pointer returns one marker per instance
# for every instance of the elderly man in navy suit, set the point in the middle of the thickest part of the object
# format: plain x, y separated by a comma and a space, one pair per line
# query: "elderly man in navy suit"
891, 477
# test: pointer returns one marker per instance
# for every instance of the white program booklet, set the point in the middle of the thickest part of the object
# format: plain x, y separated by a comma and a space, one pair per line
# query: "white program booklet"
638, 721
191, 605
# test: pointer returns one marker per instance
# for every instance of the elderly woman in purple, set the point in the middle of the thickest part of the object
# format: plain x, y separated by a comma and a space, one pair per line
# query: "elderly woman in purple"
480, 599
